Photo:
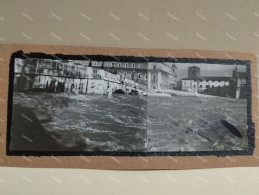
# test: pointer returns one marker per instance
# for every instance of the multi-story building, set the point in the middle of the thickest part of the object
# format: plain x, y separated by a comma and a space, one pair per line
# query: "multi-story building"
234, 85
144, 75
154, 75
197, 83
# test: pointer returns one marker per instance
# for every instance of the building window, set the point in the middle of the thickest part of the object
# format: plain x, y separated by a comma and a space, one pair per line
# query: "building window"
119, 64
133, 65
54, 65
154, 77
125, 74
112, 63
141, 65
146, 76
132, 76
139, 75
126, 65
200, 86
154, 67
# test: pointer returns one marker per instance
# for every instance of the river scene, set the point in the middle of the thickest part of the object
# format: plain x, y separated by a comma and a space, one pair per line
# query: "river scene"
66, 122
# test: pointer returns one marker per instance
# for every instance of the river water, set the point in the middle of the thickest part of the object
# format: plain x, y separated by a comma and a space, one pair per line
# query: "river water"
48, 121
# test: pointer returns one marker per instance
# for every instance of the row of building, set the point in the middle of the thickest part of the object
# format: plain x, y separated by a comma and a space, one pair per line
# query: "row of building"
147, 76
232, 86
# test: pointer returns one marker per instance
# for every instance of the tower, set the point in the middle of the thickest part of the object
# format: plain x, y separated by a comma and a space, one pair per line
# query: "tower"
234, 74
193, 72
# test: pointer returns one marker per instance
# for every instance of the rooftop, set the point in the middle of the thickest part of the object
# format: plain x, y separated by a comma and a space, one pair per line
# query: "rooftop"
194, 67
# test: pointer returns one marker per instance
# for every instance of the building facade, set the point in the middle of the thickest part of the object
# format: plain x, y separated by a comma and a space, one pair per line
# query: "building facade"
71, 75
239, 80
68, 76
154, 76
234, 86
198, 84
161, 76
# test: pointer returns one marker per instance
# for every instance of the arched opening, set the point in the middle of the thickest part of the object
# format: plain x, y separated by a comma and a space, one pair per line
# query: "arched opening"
72, 87
119, 91
47, 86
80, 87
52, 87
133, 92
60, 87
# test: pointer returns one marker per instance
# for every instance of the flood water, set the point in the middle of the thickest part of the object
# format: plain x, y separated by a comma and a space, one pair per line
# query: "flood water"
194, 124
63, 122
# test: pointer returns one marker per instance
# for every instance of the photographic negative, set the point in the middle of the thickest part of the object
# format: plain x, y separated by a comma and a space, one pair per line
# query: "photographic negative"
128, 105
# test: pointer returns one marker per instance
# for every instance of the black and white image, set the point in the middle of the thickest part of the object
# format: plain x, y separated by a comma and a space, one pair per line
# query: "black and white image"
127, 104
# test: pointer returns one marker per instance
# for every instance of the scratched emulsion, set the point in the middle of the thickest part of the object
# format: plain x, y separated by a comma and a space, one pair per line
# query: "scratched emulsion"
63, 122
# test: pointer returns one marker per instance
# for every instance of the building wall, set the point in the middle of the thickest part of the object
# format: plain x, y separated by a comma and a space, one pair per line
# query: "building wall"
56, 76
200, 86
240, 88
146, 76
193, 72
161, 76
151, 75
